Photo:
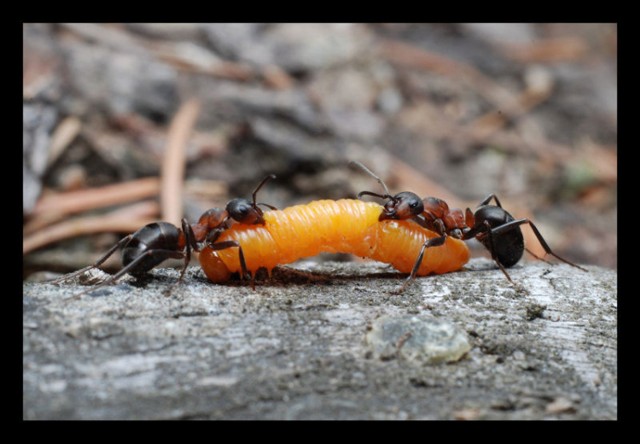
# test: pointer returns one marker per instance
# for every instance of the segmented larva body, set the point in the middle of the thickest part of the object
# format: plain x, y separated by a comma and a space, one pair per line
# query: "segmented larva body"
330, 226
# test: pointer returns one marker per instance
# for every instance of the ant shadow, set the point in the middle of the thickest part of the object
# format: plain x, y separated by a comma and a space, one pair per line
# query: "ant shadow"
284, 276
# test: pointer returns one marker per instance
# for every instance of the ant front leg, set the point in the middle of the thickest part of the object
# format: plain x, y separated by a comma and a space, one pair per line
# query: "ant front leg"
432, 242
190, 244
211, 242
243, 265
99, 262
513, 224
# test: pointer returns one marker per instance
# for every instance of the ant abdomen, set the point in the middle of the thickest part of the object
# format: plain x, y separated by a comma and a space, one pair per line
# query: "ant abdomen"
156, 238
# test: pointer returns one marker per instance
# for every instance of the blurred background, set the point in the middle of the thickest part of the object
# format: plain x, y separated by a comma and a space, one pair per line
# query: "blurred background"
124, 124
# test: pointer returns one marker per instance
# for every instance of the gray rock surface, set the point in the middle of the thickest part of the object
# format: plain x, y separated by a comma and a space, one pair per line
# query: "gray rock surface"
297, 347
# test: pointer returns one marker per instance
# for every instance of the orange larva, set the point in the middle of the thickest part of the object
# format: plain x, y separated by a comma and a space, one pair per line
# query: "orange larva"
342, 226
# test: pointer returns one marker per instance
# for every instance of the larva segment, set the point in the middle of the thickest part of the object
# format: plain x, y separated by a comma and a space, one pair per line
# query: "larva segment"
399, 244
342, 226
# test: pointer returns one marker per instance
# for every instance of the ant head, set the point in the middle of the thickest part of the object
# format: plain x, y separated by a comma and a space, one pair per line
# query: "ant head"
245, 211
403, 205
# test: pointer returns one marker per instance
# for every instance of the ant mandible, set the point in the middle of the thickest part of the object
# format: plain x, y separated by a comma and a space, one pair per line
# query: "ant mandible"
491, 225
158, 241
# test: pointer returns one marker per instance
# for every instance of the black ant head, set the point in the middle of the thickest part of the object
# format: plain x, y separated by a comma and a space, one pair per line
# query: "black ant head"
245, 212
405, 205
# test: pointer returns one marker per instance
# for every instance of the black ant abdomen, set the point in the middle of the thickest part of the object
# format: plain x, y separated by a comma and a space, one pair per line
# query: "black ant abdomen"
500, 233
160, 238
509, 246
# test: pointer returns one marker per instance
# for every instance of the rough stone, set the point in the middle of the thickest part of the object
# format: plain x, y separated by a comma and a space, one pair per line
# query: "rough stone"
419, 339
296, 347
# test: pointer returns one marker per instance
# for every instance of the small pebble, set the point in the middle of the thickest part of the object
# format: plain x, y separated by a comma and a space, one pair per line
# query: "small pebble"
422, 339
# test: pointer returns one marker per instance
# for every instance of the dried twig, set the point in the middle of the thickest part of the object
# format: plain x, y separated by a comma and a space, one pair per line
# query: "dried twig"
65, 132
220, 68
208, 189
277, 78
173, 163
53, 207
124, 220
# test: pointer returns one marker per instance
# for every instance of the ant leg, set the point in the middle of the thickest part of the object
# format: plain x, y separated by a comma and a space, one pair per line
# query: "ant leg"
165, 254
537, 257
513, 224
433, 242
544, 244
190, 235
190, 243
488, 199
492, 248
229, 244
211, 242
99, 262
420, 221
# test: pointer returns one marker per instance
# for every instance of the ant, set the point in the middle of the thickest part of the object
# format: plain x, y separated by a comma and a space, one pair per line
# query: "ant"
491, 225
154, 243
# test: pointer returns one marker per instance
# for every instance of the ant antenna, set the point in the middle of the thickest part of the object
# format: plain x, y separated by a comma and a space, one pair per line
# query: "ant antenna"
265, 180
355, 163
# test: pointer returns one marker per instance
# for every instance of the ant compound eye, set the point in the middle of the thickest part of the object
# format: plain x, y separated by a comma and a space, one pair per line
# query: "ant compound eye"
411, 202
243, 210
238, 208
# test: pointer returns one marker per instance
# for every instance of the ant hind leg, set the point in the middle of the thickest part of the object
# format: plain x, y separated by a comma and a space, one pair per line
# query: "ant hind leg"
537, 257
99, 262
488, 199
165, 254
546, 247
